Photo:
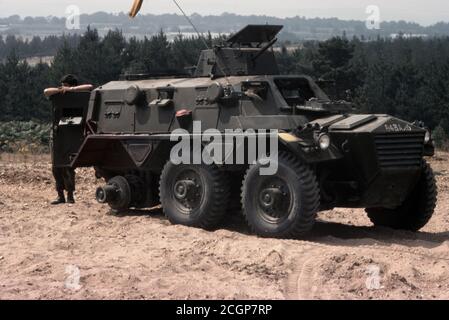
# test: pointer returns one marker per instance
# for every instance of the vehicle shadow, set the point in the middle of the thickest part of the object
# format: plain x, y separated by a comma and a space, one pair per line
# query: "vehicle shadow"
234, 222
324, 232
155, 212
327, 232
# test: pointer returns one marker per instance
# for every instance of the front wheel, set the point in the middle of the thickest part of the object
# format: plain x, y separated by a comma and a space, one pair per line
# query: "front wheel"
283, 205
417, 209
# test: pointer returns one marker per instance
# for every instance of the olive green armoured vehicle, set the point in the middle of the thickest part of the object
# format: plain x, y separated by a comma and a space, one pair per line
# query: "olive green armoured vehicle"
327, 155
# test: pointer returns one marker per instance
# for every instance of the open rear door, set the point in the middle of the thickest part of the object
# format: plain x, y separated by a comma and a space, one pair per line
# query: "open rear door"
69, 115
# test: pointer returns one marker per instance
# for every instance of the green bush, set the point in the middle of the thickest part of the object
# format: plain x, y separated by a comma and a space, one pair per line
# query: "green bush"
26, 137
439, 137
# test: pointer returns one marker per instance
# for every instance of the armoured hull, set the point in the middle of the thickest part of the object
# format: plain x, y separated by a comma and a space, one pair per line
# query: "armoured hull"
381, 160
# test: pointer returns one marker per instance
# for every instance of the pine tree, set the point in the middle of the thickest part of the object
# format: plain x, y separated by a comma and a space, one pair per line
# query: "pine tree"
16, 100
113, 46
64, 63
91, 66
332, 63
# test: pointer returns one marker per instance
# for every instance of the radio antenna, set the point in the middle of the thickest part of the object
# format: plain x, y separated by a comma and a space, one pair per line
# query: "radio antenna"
201, 36
137, 6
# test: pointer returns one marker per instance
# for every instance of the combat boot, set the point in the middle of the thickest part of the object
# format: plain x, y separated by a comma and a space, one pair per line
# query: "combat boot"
60, 199
70, 197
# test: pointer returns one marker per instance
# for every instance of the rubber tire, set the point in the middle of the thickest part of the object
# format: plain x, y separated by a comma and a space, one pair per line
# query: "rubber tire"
306, 200
235, 200
214, 203
416, 211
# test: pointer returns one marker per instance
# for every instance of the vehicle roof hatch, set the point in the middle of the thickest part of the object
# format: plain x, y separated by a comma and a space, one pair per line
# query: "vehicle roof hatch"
255, 34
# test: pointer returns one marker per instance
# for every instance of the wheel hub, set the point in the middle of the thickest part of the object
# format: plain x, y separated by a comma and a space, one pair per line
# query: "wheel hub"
274, 199
188, 190
270, 197
185, 189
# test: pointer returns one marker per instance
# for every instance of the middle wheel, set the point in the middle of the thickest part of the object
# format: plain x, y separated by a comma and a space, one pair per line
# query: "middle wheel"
194, 195
283, 205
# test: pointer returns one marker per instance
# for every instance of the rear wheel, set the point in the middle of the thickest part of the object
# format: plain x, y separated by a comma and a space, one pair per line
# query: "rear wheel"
194, 195
283, 205
417, 209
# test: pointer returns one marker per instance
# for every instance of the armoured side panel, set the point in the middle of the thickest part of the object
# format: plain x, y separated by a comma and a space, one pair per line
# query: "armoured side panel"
115, 115
156, 113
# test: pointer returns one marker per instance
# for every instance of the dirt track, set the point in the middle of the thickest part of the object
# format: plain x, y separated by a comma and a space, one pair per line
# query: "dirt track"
140, 255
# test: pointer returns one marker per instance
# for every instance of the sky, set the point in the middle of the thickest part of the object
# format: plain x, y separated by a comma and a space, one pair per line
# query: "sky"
424, 12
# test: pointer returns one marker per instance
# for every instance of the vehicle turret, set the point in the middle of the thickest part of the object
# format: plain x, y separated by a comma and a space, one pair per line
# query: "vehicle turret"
245, 53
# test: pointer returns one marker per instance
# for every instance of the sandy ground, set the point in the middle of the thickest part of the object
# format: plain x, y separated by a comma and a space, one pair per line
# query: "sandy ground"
82, 252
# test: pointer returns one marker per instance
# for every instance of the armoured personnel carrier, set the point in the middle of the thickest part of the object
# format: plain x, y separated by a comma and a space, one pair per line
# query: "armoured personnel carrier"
326, 155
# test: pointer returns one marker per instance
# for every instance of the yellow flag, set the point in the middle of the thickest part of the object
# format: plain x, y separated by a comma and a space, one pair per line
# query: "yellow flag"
135, 8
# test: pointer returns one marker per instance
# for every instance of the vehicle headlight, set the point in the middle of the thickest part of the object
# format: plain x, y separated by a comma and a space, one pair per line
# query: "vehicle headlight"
324, 141
427, 137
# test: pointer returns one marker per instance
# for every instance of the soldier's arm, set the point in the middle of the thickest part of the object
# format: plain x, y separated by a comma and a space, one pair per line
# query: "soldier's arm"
84, 87
52, 91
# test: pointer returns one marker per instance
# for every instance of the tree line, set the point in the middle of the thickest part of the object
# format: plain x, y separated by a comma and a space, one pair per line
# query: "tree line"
34, 47
296, 28
408, 78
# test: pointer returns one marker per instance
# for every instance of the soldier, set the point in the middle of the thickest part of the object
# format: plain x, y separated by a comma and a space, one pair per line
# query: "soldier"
69, 83
65, 177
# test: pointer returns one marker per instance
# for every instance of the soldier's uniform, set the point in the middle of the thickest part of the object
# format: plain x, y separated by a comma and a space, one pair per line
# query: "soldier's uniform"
64, 175
64, 179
